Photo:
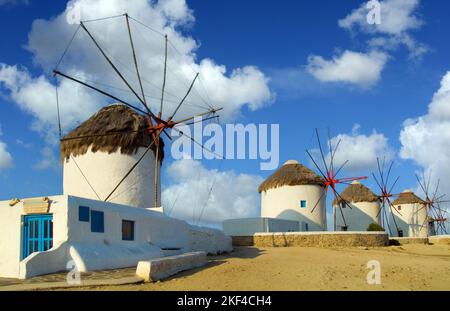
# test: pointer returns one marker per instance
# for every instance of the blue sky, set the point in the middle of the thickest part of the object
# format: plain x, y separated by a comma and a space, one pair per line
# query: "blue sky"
281, 39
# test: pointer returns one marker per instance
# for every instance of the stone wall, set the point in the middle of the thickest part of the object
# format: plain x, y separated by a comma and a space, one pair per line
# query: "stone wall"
314, 239
407, 240
440, 239
242, 240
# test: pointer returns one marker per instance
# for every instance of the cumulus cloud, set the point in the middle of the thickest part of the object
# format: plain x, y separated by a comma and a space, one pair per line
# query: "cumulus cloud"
6, 160
398, 19
217, 86
48, 160
361, 150
426, 139
233, 195
361, 69
36, 96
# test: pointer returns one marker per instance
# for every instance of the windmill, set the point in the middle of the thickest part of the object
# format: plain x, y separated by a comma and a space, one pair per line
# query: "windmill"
330, 175
433, 201
157, 125
386, 187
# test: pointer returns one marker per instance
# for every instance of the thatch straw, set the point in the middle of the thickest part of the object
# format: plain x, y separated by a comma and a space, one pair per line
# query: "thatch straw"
407, 197
127, 128
356, 192
291, 174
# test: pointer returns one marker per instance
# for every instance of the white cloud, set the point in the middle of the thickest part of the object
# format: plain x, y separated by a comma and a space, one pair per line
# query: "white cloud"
360, 69
36, 96
426, 139
398, 19
361, 150
48, 160
233, 195
24, 144
231, 89
6, 160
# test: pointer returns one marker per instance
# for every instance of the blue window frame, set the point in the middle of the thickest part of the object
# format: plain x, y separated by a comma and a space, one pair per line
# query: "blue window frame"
303, 203
97, 221
127, 230
83, 213
37, 234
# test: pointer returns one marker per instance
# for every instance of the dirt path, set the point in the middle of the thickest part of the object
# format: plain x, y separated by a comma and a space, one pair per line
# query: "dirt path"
408, 267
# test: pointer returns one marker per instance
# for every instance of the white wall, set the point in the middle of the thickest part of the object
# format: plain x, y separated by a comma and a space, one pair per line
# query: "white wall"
209, 240
359, 216
284, 203
411, 220
104, 171
11, 223
150, 227
73, 239
250, 226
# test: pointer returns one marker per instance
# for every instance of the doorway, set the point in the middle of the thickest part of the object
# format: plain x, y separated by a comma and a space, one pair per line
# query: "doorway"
37, 234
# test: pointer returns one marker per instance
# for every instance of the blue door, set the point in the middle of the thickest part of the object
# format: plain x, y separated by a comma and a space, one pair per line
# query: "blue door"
37, 234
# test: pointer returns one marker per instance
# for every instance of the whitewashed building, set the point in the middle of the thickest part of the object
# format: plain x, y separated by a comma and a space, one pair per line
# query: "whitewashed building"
356, 208
50, 234
292, 193
411, 215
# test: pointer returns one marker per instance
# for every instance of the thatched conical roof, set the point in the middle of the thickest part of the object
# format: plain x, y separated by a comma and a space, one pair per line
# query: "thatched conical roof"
356, 192
291, 173
407, 197
127, 129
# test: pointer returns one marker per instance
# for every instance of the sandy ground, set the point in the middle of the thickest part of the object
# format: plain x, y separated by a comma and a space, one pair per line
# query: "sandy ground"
408, 267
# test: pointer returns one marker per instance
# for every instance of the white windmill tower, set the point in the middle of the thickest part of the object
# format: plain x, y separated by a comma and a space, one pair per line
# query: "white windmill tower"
108, 157
360, 208
291, 193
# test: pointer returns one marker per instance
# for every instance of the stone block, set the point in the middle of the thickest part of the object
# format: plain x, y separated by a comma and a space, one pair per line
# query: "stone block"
162, 268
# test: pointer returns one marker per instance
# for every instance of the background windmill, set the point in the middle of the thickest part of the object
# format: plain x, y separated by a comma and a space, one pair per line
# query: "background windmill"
434, 201
386, 187
136, 96
330, 174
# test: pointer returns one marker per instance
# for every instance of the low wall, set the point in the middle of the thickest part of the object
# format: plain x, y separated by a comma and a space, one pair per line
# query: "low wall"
440, 239
314, 239
407, 240
209, 240
39, 263
250, 226
242, 240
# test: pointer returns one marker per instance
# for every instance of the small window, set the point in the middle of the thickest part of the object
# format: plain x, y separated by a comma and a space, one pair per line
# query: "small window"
399, 207
83, 213
97, 221
303, 203
127, 230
